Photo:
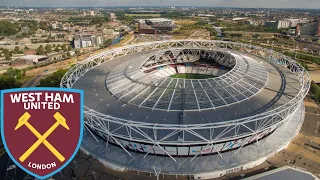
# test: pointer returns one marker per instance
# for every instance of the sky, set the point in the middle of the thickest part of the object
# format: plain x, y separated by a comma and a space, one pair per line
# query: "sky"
314, 4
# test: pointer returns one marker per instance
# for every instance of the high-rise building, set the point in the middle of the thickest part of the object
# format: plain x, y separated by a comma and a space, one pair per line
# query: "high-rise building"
113, 17
83, 41
311, 29
277, 24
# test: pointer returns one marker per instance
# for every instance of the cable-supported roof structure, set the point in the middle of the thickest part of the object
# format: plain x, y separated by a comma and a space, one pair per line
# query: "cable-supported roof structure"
130, 84
133, 103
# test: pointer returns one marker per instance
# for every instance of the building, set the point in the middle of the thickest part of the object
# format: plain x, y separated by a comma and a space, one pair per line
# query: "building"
283, 24
219, 31
113, 17
54, 25
91, 13
155, 25
25, 30
310, 29
110, 32
206, 15
277, 24
83, 41
293, 22
239, 19
140, 117
248, 22
29, 59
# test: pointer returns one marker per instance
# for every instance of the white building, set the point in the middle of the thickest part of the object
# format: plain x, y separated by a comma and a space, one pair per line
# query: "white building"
113, 16
283, 24
83, 41
110, 32
54, 25
30, 59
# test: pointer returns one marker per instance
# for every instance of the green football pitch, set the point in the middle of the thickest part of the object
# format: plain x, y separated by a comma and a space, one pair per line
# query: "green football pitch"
192, 76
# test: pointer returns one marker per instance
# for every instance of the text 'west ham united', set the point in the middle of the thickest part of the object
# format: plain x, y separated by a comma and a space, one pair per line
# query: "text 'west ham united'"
33, 100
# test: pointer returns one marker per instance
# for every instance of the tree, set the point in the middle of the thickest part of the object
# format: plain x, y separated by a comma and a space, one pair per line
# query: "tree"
315, 89
313, 86
26, 48
69, 48
107, 43
5, 51
213, 32
64, 56
48, 48
68, 54
7, 57
54, 80
56, 49
17, 49
16, 73
8, 82
256, 36
43, 25
40, 51
8, 29
64, 48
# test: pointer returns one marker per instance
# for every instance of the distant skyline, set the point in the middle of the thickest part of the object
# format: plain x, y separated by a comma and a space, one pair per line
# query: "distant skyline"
312, 4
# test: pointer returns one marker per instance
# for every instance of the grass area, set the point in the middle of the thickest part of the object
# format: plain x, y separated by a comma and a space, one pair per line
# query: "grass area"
192, 76
143, 15
182, 22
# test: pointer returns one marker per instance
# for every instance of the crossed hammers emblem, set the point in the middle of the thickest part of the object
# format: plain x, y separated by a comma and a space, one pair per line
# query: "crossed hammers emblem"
23, 120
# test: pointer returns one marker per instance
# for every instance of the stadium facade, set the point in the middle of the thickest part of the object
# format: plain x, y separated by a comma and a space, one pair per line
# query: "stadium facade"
139, 117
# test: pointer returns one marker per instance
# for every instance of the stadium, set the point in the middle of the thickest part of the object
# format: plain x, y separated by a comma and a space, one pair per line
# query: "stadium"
199, 108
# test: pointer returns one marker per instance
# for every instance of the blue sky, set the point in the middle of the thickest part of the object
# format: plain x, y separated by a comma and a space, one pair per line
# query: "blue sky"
208, 3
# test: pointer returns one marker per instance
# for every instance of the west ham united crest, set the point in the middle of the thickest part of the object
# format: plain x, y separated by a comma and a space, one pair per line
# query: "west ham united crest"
42, 128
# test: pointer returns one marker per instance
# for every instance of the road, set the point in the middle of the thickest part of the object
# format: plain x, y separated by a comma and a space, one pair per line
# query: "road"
33, 82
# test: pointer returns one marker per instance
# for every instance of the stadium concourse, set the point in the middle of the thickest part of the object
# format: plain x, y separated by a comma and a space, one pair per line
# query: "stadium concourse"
243, 105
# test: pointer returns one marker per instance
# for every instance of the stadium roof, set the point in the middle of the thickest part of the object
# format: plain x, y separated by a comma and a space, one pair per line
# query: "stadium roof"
245, 80
278, 90
254, 152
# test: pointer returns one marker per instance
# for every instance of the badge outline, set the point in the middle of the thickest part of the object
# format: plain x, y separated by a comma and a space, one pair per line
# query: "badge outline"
81, 92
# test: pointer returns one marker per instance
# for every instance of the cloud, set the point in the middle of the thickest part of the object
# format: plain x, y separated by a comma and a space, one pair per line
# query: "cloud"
205, 3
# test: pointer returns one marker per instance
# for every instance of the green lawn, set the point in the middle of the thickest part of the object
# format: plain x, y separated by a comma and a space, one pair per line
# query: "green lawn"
192, 76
